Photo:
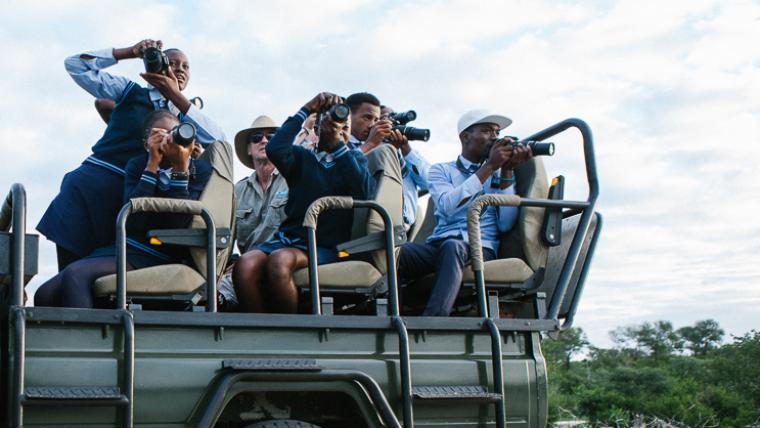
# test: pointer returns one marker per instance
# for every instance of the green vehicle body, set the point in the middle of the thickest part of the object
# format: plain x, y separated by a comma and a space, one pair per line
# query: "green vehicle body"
146, 368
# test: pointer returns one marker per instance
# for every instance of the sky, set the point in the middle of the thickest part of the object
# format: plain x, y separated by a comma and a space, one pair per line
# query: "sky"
671, 91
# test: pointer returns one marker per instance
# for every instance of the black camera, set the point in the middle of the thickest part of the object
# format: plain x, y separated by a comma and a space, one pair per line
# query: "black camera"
339, 112
155, 60
537, 147
183, 134
402, 117
400, 120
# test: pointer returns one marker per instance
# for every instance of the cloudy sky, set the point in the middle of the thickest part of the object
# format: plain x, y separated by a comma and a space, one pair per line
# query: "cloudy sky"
670, 89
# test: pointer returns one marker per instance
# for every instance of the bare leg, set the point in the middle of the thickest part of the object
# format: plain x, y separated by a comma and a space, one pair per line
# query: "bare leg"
246, 276
282, 293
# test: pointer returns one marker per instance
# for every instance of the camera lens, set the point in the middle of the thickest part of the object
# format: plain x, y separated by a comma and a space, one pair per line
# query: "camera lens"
183, 134
413, 134
339, 112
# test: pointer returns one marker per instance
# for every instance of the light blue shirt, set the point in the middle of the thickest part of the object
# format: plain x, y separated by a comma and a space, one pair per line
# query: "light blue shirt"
452, 191
415, 177
88, 74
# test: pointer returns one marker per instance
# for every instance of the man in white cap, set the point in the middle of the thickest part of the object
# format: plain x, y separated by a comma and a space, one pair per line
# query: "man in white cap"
484, 166
261, 197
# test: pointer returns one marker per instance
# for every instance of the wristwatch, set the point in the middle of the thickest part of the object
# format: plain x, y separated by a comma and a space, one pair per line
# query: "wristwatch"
179, 175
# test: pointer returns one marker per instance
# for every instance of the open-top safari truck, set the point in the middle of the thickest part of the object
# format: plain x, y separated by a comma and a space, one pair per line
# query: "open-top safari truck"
353, 358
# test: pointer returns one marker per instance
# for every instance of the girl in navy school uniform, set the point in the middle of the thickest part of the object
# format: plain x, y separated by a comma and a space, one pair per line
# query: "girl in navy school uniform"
82, 217
164, 171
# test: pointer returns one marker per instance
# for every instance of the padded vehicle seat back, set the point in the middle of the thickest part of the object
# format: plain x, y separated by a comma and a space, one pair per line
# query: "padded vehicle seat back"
524, 240
557, 257
367, 272
219, 198
178, 279
428, 224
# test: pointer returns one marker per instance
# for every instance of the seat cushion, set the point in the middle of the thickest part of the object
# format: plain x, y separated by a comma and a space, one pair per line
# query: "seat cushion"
501, 271
349, 274
155, 280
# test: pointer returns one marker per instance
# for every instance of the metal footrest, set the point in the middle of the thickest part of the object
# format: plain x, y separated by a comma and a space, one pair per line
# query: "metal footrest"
272, 365
73, 393
454, 392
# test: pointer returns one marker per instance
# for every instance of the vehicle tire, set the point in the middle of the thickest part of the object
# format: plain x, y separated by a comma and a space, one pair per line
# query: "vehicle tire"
282, 423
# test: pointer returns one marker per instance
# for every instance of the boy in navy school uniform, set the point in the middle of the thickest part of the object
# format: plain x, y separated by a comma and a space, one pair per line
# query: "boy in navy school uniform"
333, 170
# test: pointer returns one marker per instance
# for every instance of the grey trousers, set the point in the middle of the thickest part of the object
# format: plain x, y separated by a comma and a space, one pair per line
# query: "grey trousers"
447, 259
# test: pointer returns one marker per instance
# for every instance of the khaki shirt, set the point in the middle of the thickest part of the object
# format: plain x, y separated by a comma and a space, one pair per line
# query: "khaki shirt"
258, 214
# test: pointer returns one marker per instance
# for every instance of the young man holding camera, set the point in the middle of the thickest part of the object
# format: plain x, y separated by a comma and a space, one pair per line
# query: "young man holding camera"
82, 217
484, 166
264, 277
370, 128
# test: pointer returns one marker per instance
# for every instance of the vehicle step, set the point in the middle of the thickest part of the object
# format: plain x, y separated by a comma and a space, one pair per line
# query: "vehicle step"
454, 392
73, 393
272, 365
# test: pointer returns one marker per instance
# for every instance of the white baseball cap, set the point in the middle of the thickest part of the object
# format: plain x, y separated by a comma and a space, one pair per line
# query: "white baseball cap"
474, 117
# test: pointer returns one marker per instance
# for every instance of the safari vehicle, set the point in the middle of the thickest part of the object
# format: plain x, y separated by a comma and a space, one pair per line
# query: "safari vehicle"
353, 358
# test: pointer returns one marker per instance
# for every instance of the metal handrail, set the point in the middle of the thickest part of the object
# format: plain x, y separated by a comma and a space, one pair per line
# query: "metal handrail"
585, 207
588, 211
13, 214
568, 323
121, 250
310, 222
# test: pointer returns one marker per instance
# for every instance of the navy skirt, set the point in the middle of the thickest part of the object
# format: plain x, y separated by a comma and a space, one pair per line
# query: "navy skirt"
135, 258
82, 217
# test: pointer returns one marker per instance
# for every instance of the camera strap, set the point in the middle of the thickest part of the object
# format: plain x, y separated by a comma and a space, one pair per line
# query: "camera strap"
472, 169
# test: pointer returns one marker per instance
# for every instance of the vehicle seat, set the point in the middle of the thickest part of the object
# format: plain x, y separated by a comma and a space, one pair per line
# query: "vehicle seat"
364, 273
179, 282
522, 252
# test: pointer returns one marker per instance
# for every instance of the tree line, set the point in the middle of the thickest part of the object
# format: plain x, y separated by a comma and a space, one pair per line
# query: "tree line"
686, 377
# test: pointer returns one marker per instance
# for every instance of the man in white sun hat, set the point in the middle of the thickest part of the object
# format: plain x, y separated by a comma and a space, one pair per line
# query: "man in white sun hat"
485, 165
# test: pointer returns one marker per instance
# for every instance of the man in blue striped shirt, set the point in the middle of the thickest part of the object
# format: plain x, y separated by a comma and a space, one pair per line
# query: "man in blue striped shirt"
484, 166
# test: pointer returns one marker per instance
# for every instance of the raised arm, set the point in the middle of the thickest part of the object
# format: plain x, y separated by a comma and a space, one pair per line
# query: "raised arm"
86, 69
280, 150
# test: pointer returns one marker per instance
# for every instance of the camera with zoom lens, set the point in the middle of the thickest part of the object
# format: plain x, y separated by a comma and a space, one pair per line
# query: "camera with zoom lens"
155, 60
402, 117
183, 134
400, 120
538, 148
338, 112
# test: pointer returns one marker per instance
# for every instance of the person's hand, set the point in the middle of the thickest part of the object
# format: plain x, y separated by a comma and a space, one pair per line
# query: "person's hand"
309, 122
399, 141
157, 140
379, 132
520, 154
137, 50
500, 152
322, 101
178, 155
139, 47
166, 84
